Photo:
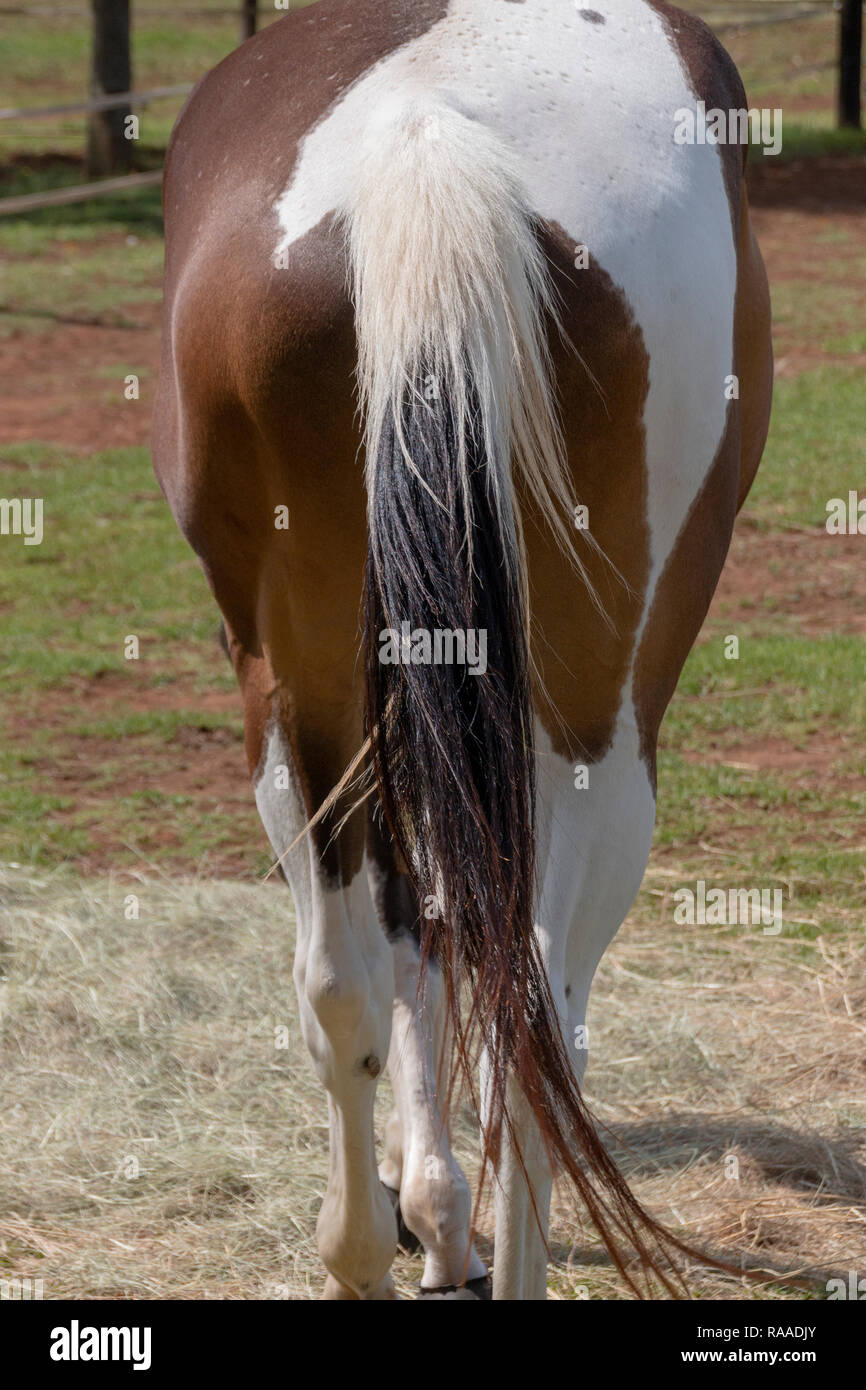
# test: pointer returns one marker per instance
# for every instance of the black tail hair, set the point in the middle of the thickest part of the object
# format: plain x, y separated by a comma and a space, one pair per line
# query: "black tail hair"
454, 764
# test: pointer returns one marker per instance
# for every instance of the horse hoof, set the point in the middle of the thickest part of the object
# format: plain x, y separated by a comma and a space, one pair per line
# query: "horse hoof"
407, 1241
476, 1290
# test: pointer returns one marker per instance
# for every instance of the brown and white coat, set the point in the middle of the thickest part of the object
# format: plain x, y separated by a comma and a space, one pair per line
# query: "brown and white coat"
299, 163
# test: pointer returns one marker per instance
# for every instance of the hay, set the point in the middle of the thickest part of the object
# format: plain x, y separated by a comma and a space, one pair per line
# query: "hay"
156, 1143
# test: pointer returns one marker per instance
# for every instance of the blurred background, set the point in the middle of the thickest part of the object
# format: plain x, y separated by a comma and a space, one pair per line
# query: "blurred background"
153, 1140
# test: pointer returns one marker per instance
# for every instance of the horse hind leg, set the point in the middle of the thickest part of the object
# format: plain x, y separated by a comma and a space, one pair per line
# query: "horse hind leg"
344, 988
523, 1182
521, 1192
344, 979
435, 1203
593, 844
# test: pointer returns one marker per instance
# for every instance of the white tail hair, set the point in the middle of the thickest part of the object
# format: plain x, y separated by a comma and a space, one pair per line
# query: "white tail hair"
449, 281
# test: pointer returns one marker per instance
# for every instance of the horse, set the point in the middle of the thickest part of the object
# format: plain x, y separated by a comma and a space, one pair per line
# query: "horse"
466, 373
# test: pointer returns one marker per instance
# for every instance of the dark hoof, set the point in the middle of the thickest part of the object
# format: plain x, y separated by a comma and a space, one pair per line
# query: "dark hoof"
477, 1290
407, 1241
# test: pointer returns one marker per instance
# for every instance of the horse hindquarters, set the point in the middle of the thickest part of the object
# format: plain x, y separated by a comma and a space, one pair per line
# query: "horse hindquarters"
256, 413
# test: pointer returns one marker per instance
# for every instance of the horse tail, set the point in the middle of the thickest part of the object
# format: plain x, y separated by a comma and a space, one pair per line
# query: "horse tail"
452, 305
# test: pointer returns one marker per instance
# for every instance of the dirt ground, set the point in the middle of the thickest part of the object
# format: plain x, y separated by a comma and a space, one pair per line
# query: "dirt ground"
49, 376
203, 764
804, 212
818, 580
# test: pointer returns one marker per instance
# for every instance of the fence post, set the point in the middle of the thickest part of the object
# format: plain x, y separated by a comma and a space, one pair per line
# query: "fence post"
850, 60
108, 150
248, 18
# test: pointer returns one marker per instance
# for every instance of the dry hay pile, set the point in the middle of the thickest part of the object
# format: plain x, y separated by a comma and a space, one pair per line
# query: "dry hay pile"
162, 1134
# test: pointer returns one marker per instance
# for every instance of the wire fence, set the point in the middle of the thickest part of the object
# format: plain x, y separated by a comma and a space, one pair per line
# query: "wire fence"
115, 102
79, 193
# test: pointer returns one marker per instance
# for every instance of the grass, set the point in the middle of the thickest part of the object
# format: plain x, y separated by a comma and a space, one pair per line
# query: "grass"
814, 134
117, 773
111, 564
814, 451
792, 683
92, 257
86, 282
780, 64
827, 306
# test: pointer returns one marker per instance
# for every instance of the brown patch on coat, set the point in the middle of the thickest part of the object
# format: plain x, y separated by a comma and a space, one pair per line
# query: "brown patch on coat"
584, 662
754, 351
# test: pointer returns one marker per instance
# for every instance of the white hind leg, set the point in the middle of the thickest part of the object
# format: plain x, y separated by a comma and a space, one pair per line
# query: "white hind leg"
593, 847
435, 1201
344, 979
434, 1195
521, 1208
524, 1177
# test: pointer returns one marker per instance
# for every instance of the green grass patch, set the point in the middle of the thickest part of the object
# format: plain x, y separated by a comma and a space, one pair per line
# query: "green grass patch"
808, 310
811, 135
32, 233
848, 345
80, 280
800, 826
815, 448
792, 684
47, 64
83, 261
111, 564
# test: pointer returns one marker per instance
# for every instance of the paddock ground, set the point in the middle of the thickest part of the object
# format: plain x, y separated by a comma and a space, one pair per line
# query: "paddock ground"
154, 1142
